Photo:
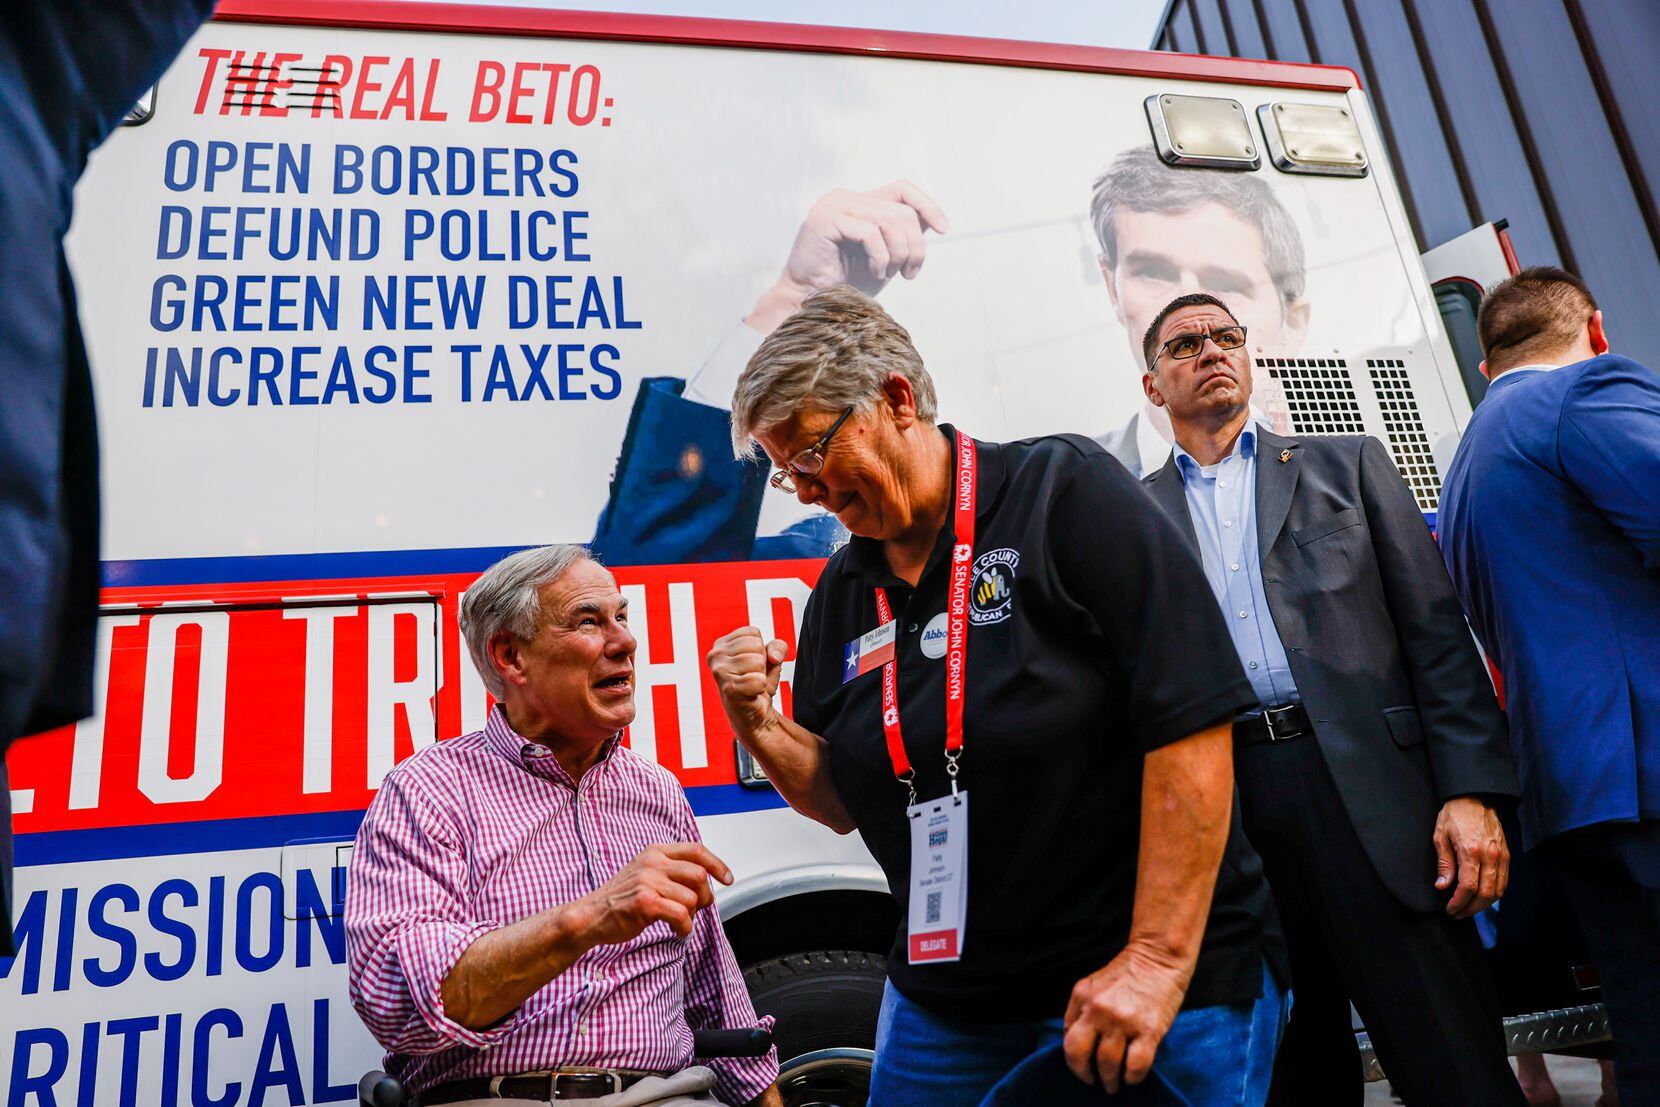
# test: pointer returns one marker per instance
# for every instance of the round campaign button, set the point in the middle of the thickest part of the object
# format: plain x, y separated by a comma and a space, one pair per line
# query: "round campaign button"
934, 636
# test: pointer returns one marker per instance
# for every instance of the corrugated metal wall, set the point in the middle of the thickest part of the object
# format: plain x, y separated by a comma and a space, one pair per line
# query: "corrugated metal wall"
1542, 112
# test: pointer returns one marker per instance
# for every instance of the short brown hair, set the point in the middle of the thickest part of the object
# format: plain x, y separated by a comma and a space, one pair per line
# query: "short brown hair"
835, 352
1532, 316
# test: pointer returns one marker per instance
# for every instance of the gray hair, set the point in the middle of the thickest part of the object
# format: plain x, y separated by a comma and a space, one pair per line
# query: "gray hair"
1138, 181
836, 352
507, 597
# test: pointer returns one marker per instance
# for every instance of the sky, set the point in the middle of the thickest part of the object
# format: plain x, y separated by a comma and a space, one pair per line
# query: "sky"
1127, 23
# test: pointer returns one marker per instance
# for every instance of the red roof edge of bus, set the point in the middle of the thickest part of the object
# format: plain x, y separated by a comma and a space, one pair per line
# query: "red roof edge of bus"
417, 15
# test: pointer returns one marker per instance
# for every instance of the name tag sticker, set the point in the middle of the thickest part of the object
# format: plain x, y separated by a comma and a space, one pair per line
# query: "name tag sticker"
871, 650
939, 878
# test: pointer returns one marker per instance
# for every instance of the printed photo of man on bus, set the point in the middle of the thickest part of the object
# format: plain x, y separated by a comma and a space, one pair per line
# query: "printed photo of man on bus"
677, 495
1165, 232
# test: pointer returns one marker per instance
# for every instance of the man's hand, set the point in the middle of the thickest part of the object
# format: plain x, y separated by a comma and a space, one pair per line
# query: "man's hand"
664, 883
860, 238
746, 668
1118, 1016
506, 966
1470, 848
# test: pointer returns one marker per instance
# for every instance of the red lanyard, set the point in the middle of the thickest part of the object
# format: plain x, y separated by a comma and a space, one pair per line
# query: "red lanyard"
956, 645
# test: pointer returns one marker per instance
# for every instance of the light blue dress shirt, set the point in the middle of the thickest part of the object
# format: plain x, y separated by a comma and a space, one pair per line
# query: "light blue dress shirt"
1222, 500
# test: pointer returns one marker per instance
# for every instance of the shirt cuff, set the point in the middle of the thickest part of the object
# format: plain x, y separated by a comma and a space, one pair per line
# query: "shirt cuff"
427, 953
715, 379
740, 1079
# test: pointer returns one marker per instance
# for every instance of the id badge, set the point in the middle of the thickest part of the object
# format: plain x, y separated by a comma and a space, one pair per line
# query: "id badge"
939, 878
869, 651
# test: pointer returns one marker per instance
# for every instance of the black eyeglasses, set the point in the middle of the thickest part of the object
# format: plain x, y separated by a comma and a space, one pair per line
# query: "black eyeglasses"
810, 461
1184, 346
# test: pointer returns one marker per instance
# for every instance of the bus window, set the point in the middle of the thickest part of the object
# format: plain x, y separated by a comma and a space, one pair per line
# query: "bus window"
1458, 299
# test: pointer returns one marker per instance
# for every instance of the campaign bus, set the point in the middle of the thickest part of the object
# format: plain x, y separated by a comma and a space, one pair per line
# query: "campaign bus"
376, 293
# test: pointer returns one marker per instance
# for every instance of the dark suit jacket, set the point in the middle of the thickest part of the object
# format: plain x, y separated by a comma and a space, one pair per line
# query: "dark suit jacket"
69, 70
1402, 706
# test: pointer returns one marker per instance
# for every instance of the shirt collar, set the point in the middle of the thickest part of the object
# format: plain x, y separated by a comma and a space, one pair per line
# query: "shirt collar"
510, 744
1516, 374
864, 555
1244, 446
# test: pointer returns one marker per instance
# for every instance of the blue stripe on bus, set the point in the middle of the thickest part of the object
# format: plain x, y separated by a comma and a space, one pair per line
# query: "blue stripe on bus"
59, 847
168, 571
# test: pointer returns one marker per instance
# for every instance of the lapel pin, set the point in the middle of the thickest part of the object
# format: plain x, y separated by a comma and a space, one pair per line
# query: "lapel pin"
1285, 455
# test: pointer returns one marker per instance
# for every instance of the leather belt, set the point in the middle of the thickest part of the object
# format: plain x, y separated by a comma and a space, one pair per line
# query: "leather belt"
561, 1084
1273, 724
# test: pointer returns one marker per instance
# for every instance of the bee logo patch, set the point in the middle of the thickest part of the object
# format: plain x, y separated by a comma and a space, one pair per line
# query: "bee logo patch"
991, 588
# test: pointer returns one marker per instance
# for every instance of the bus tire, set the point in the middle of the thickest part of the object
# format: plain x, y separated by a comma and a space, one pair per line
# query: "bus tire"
826, 1003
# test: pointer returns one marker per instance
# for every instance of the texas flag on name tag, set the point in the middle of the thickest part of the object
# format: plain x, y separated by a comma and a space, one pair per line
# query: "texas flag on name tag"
869, 651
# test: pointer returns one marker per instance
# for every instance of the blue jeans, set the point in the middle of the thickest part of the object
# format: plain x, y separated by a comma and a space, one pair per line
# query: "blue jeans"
1214, 1056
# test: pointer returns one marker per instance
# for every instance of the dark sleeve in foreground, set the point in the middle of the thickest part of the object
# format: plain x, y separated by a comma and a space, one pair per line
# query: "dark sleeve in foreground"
69, 70
1139, 588
1464, 732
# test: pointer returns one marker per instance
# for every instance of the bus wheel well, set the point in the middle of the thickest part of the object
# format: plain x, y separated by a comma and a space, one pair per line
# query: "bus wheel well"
814, 921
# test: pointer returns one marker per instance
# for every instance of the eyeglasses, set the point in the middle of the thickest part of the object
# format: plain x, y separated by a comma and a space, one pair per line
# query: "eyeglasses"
810, 461
1184, 346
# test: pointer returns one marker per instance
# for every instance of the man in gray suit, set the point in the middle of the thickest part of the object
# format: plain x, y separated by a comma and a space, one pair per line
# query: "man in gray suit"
1368, 777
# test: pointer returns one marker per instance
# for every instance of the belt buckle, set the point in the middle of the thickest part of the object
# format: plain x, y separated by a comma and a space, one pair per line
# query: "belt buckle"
553, 1082
1268, 721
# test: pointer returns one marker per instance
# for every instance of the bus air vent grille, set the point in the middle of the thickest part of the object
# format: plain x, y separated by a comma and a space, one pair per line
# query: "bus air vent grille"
1319, 395
1403, 427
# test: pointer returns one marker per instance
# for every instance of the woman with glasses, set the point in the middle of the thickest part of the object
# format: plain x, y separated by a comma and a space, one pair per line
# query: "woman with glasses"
1013, 623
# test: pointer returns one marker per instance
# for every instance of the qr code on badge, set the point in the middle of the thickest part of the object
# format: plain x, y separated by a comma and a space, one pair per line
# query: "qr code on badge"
933, 911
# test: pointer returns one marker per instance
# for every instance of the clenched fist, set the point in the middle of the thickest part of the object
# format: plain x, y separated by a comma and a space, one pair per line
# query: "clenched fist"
746, 668
664, 883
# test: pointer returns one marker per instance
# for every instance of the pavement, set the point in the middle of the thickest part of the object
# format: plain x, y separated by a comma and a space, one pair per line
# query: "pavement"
1578, 1080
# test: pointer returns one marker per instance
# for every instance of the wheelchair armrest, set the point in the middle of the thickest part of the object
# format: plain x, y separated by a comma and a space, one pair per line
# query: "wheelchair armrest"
376, 1089
748, 1042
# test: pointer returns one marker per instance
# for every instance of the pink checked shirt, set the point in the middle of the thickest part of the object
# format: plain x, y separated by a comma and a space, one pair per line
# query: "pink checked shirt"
480, 831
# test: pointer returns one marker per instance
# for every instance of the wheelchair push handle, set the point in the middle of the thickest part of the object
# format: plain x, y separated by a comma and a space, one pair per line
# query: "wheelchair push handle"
376, 1089
746, 1042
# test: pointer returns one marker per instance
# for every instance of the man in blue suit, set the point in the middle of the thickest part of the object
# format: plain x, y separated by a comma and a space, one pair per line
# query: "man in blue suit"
69, 71
1550, 526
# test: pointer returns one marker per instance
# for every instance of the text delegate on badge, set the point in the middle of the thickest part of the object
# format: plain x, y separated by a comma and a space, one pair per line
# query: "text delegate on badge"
458, 272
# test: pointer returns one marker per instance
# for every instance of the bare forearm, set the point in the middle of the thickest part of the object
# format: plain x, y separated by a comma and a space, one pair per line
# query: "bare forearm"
1186, 806
797, 762
768, 1098
505, 967
777, 304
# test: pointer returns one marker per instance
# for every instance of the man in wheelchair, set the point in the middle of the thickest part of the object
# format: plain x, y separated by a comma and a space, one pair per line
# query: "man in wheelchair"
529, 917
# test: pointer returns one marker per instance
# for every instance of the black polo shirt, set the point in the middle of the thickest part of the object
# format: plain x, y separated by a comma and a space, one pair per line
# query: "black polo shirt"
1093, 639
